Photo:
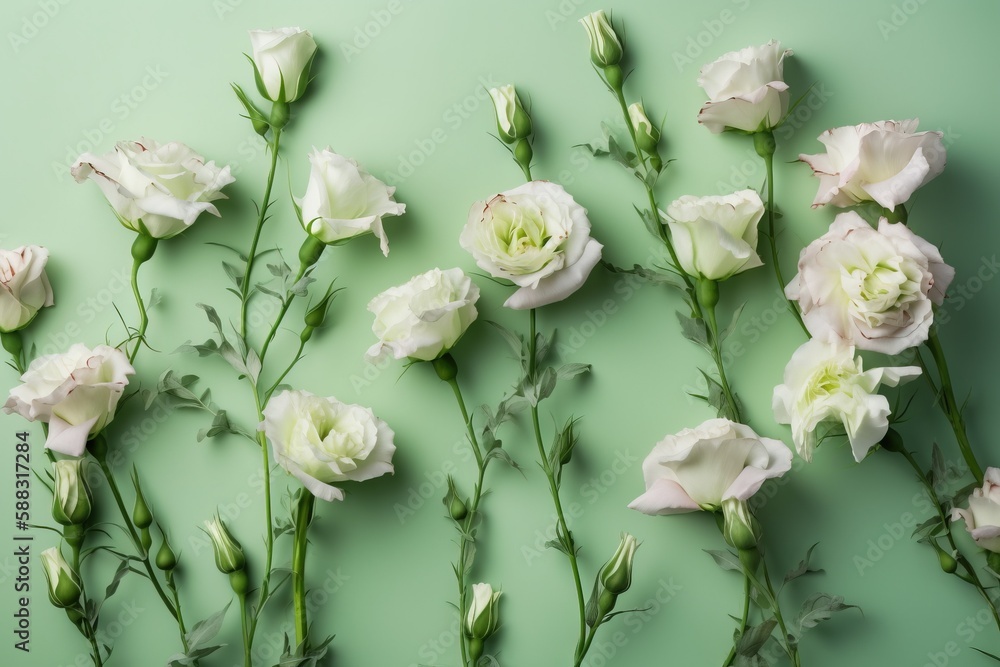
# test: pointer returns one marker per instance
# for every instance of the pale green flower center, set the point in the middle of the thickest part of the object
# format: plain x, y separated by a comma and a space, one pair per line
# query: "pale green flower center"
517, 238
882, 290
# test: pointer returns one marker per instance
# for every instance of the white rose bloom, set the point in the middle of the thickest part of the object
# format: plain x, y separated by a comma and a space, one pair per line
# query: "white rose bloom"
283, 58
746, 89
162, 188
76, 393
483, 616
701, 467
24, 286
873, 288
321, 441
824, 381
884, 162
536, 236
716, 237
342, 200
982, 517
425, 317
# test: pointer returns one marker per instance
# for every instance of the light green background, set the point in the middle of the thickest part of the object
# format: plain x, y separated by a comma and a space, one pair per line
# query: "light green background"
414, 86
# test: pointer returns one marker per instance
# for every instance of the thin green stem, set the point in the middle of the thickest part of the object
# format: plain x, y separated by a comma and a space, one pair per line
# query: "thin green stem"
303, 517
288, 369
973, 578
247, 661
265, 586
582, 650
285, 303
526, 170
261, 219
140, 335
716, 342
772, 239
791, 649
94, 647
143, 554
177, 604
464, 539
951, 407
554, 492
654, 209
747, 587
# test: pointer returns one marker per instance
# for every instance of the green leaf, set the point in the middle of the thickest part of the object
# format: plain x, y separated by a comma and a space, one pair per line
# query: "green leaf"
725, 333
803, 567
235, 273
567, 371
546, 384
818, 608
155, 299
727, 560
123, 569
695, 330
514, 341
755, 637
988, 655
204, 631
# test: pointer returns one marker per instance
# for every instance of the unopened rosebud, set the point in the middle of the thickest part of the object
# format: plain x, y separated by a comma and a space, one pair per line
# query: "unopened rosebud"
513, 121
740, 529
141, 516
316, 317
257, 118
63, 582
616, 575
947, 561
647, 135
71, 499
483, 615
229, 556
456, 506
605, 47
166, 559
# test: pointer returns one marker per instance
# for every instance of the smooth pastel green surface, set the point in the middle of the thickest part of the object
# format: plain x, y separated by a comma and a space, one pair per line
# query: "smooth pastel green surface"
400, 87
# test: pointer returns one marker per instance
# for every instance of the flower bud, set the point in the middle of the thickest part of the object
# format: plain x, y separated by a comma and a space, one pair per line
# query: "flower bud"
740, 527
605, 47
647, 135
143, 247
616, 575
282, 62
513, 121
316, 317
166, 559
456, 506
310, 251
229, 556
141, 516
71, 499
483, 615
239, 582
947, 561
64, 584
257, 118
445, 367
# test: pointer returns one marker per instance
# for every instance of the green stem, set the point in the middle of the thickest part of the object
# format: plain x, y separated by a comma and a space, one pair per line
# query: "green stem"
464, 540
247, 661
177, 605
13, 343
747, 587
709, 306
261, 219
654, 210
554, 492
269, 537
296, 359
582, 650
951, 407
772, 239
95, 649
303, 517
791, 649
285, 303
526, 170
143, 316
973, 577
143, 554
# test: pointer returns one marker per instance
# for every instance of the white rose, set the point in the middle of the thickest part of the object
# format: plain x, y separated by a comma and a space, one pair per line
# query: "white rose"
605, 47
824, 381
283, 58
425, 317
537, 236
342, 200
746, 89
873, 288
76, 393
483, 616
883, 162
701, 467
982, 517
162, 188
24, 286
321, 440
716, 237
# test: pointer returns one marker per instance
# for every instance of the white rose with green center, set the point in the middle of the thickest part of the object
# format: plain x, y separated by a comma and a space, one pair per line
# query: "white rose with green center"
159, 188
536, 236
873, 288
321, 441
982, 517
826, 382
715, 237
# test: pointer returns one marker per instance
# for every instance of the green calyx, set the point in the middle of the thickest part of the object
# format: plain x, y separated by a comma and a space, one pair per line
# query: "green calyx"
764, 144
143, 247
446, 367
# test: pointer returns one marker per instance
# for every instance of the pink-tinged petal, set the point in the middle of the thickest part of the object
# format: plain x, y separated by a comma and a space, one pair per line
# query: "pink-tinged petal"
559, 285
664, 497
69, 439
777, 462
